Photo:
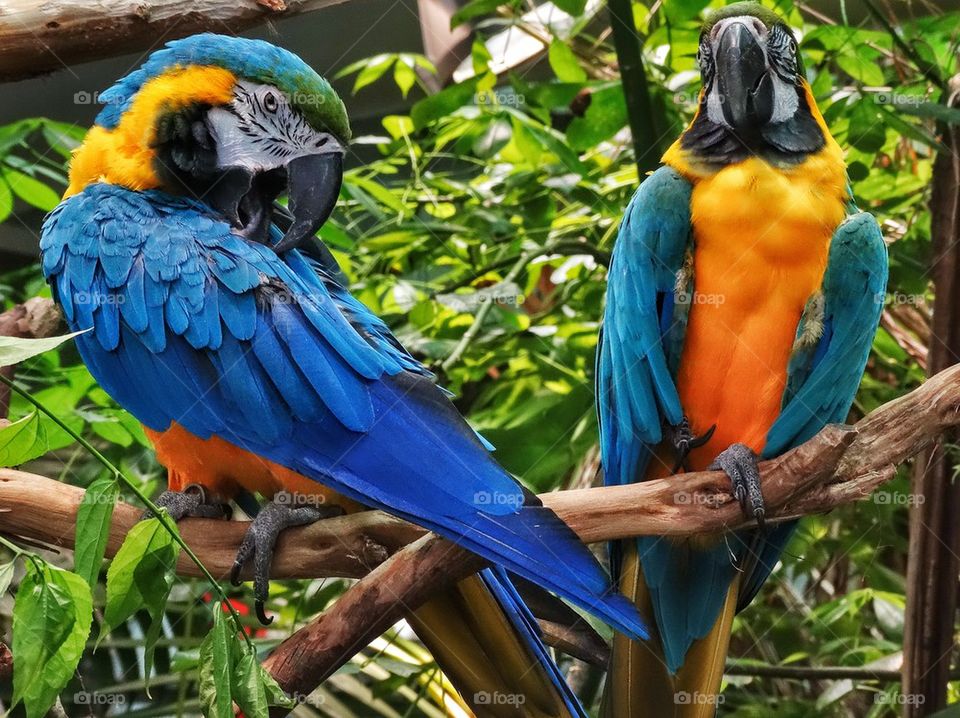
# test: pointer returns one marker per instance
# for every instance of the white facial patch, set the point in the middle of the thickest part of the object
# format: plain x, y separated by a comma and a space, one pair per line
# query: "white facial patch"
260, 130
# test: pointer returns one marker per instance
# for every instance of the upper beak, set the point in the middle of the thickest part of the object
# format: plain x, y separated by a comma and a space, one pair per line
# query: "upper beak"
313, 186
745, 84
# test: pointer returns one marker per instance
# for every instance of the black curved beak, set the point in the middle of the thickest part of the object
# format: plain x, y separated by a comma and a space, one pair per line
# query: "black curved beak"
313, 186
744, 82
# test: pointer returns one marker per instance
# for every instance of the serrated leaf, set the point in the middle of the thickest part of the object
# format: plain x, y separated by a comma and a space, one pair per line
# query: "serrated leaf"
93, 528
51, 622
564, 63
32, 191
23, 440
217, 654
140, 577
14, 350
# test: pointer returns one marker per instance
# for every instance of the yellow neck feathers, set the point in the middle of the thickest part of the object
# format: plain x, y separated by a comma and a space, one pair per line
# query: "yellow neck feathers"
125, 155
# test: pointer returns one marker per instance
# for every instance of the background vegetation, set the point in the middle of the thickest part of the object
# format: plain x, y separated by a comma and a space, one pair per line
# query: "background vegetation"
481, 233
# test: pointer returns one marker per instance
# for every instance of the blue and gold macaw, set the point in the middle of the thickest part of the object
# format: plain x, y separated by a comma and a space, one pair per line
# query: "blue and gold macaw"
743, 295
223, 325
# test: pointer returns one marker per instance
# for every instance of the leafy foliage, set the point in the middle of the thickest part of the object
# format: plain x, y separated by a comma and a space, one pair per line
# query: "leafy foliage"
481, 232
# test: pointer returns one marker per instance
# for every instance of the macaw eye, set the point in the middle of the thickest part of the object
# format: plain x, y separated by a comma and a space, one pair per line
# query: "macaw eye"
270, 103
793, 45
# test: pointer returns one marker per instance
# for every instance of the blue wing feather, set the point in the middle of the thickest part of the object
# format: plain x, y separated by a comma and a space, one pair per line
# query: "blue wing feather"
276, 358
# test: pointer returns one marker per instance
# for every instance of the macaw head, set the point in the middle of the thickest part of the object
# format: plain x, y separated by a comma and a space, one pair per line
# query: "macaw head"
755, 97
229, 121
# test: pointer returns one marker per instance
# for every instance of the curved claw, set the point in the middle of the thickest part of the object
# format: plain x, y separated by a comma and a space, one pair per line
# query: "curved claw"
684, 442
235, 573
261, 613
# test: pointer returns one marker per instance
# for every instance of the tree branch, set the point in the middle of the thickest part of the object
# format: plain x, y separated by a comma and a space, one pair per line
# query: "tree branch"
837, 466
39, 36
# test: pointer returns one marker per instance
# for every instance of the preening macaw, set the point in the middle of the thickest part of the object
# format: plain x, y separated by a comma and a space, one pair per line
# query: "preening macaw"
252, 367
743, 295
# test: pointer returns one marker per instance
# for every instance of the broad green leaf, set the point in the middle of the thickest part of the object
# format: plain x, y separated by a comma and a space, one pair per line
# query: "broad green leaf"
473, 9
564, 63
682, 10
373, 71
573, 7
14, 350
62, 137
23, 440
443, 103
253, 689
140, 577
93, 527
32, 191
605, 116
404, 75
51, 622
217, 657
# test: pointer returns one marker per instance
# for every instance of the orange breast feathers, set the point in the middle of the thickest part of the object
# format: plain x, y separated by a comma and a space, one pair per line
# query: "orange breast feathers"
762, 236
224, 469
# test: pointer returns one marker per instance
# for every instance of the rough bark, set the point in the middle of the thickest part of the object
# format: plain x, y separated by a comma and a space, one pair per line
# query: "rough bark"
39, 36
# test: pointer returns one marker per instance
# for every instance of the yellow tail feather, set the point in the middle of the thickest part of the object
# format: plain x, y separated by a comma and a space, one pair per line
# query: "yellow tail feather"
638, 682
478, 650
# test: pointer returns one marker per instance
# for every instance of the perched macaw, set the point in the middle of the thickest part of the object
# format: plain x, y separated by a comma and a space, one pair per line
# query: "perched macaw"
253, 369
743, 295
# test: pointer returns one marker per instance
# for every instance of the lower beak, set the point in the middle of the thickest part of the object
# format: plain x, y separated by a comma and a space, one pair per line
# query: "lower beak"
745, 84
313, 186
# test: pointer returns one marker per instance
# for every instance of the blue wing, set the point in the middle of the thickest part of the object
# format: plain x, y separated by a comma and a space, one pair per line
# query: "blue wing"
195, 325
831, 351
642, 329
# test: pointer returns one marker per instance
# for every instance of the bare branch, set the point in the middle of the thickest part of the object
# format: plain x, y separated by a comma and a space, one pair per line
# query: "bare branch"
40, 36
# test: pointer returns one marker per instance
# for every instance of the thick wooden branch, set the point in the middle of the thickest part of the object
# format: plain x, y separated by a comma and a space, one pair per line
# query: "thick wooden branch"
838, 466
40, 36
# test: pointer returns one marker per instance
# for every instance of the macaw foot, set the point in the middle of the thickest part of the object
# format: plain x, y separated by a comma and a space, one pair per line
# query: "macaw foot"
192, 502
284, 511
739, 462
683, 441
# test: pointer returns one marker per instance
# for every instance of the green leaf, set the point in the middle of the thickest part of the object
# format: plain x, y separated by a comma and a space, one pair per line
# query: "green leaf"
564, 63
682, 10
373, 71
93, 527
14, 350
32, 191
23, 440
140, 577
473, 9
572, 7
443, 103
404, 75
6, 200
6, 576
605, 116
51, 622
217, 655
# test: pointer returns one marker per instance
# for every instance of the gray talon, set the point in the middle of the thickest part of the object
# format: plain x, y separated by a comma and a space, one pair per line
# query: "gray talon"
192, 502
684, 441
284, 511
739, 462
